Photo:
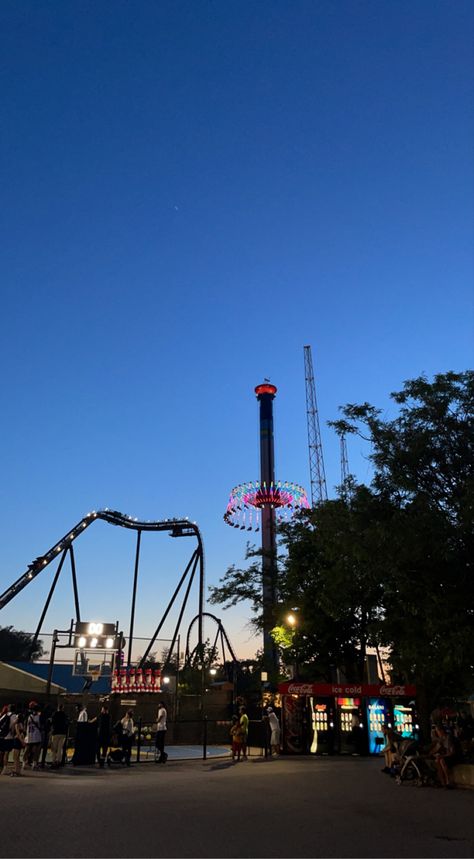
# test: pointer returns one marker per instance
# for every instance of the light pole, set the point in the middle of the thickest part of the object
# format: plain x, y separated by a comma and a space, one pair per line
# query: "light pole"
292, 621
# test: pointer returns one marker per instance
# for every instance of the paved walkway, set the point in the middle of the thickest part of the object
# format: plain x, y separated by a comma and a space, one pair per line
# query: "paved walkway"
282, 807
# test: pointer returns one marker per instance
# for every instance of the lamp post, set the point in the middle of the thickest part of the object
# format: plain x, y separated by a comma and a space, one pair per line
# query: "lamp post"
292, 621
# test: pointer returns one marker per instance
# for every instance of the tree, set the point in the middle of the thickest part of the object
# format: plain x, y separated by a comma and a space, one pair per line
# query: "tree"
17, 646
388, 564
424, 470
333, 571
242, 585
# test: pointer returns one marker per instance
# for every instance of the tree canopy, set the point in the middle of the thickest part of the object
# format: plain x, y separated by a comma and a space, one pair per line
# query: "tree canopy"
391, 563
16, 646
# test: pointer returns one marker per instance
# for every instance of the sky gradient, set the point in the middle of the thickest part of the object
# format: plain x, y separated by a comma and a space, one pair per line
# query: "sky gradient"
193, 191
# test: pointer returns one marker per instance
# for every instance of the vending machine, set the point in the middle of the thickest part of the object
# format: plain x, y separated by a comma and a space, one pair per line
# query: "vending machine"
378, 717
404, 719
293, 724
350, 726
321, 737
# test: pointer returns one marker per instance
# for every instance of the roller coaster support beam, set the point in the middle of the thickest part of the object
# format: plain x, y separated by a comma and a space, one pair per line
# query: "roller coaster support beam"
175, 527
134, 597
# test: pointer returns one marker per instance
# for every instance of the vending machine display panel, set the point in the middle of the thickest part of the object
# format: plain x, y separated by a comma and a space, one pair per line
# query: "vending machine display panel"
404, 720
350, 725
377, 719
322, 726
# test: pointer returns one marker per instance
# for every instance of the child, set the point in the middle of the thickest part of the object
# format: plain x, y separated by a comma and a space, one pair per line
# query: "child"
237, 737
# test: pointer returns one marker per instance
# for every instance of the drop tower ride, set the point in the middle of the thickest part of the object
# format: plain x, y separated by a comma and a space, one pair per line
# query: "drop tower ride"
260, 505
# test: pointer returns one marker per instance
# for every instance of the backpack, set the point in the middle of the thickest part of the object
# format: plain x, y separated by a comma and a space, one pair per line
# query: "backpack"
5, 725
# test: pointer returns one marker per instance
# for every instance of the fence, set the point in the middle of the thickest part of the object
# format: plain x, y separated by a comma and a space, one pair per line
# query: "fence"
197, 739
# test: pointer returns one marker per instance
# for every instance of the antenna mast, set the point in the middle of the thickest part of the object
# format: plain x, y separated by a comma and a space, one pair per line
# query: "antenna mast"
344, 461
316, 462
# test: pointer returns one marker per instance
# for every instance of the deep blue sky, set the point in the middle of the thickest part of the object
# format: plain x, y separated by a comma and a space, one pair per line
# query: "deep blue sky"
191, 192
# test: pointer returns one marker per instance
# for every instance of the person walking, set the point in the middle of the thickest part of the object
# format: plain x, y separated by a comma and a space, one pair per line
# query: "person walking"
59, 725
244, 727
128, 731
161, 734
274, 731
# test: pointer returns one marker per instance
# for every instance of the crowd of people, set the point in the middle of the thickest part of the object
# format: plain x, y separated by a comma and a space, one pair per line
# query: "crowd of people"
451, 742
26, 735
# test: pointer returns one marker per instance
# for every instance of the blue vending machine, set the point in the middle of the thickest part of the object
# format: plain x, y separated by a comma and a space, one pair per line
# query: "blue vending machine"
377, 719
404, 717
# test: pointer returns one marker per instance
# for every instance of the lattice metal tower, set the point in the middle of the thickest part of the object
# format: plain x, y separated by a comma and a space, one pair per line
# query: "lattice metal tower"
344, 461
316, 463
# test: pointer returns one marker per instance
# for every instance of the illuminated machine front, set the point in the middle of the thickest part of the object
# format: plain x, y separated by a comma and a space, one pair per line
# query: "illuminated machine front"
350, 725
404, 718
322, 726
378, 717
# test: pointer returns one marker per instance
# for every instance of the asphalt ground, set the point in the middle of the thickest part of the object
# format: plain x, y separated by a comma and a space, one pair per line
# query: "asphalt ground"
285, 807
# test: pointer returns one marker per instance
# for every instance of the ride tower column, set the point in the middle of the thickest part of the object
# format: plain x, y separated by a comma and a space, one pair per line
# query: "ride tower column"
265, 394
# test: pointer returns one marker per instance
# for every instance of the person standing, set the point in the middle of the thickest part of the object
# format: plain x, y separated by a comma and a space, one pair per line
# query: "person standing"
128, 731
103, 734
18, 742
244, 727
274, 731
160, 734
82, 715
236, 734
59, 724
33, 737
5, 716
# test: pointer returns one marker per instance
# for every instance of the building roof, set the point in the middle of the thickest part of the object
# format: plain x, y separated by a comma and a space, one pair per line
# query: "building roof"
62, 676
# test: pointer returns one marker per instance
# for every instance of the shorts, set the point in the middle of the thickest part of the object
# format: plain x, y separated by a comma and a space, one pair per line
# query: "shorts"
6, 745
17, 744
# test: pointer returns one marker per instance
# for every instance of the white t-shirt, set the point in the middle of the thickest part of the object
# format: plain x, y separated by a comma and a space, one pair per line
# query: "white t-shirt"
83, 717
33, 730
273, 722
161, 719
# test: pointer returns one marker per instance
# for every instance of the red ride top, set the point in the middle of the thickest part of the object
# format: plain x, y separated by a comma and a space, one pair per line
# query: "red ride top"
266, 388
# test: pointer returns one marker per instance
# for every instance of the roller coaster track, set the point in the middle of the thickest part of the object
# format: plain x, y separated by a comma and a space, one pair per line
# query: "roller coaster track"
176, 527
220, 633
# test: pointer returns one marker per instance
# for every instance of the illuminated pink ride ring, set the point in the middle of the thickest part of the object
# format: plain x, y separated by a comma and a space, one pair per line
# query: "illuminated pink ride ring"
247, 500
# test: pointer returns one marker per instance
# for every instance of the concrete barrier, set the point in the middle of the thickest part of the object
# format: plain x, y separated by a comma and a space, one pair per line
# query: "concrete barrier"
463, 775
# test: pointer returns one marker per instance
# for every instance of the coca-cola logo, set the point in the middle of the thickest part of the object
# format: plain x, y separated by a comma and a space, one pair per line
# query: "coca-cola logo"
300, 688
392, 690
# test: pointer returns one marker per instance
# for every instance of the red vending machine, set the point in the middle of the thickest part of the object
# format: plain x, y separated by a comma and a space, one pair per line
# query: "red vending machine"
293, 716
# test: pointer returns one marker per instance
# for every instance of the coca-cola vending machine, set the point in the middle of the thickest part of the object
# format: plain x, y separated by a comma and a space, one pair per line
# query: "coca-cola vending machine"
322, 728
293, 716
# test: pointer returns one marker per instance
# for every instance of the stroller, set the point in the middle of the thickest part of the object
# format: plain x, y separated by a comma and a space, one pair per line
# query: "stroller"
413, 767
115, 754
